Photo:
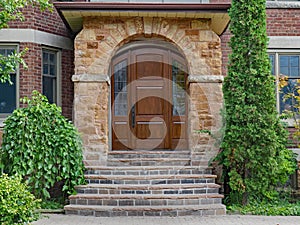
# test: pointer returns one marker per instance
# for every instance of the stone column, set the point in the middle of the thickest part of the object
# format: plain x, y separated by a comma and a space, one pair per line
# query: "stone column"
91, 113
205, 123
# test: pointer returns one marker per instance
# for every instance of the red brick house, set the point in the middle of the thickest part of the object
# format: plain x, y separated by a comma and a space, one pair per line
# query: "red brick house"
138, 78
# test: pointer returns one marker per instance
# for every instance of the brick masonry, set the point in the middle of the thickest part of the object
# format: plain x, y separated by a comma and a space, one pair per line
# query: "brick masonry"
96, 44
31, 79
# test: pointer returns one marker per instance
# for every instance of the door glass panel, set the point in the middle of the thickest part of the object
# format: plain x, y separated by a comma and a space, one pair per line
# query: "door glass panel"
120, 89
179, 89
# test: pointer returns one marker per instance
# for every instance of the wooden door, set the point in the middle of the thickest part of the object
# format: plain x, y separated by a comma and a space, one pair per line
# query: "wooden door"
143, 115
150, 99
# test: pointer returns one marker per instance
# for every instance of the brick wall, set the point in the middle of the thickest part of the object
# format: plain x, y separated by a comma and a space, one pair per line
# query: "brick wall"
67, 84
283, 22
43, 21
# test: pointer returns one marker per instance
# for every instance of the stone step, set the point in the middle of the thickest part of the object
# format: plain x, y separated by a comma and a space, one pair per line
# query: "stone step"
151, 179
149, 154
145, 199
149, 162
146, 189
112, 211
147, 170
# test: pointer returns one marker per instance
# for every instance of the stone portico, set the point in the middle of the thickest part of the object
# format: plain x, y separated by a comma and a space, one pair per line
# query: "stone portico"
97, 43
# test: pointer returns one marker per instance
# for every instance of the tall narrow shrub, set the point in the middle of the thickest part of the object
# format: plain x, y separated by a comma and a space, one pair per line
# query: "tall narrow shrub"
254, 147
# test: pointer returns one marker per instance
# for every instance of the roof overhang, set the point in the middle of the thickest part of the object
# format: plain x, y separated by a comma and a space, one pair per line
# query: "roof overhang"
74, 12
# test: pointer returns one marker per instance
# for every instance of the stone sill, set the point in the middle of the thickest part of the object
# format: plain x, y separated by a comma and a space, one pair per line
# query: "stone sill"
283, 5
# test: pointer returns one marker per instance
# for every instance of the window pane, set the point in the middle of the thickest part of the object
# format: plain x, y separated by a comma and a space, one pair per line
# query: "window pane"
288, 104
272, 61
284, 61
49, 88
179, 95
49, 75
295, 61
120, 89
52, 70
8, 96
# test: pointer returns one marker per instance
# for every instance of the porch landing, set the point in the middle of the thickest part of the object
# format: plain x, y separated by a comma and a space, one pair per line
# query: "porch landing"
148, 183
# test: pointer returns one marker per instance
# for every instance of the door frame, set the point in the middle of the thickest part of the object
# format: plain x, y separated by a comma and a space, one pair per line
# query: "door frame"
173, 53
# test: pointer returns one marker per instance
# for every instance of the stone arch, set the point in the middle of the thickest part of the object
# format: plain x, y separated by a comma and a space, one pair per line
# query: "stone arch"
96, 43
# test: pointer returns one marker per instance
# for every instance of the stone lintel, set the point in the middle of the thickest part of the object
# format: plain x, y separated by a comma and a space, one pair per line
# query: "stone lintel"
205, 79
91, 78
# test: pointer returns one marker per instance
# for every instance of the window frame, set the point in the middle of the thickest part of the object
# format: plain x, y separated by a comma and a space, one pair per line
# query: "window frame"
16, 46
58, 71
277, 53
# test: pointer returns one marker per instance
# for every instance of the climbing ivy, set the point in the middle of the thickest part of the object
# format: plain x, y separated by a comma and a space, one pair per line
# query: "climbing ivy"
254, 153
42, 146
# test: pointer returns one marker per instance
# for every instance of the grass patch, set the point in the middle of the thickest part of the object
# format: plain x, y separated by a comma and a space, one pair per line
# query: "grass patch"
277, 208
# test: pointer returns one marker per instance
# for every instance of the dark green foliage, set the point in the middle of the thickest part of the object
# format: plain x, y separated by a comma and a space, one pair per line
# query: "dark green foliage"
17, 204
42, 146
254, 147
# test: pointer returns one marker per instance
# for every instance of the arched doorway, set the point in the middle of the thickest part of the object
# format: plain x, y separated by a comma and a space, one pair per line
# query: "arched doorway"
149, 97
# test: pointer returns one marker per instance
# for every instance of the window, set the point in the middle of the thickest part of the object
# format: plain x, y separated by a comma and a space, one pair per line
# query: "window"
285, 64
8, 92
120, 88
51, 75
179, 89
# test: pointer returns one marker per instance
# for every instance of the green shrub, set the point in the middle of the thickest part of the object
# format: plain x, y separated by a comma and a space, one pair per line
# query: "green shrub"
254, 153
17, 204
276, 208
42, 146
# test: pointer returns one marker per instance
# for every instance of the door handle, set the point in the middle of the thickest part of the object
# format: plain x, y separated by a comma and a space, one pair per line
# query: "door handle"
133, 117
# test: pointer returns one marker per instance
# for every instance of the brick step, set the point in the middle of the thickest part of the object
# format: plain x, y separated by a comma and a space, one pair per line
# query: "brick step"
149, 162
147, 170
112, 211
145, 199
146, 189
151, 179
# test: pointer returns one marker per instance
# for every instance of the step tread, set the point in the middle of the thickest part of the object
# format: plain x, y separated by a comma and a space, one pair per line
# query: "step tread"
149, 177
144, 196
114, 168
141, 152
144, 208
149, 187
147, 159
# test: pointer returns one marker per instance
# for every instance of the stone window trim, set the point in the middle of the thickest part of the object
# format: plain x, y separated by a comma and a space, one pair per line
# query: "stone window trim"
4, 45
58, 71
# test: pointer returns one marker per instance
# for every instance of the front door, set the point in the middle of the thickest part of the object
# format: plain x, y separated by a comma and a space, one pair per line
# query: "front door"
148, 99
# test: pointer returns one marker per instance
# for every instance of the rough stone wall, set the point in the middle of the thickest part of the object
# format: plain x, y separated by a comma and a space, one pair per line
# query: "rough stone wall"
95, 46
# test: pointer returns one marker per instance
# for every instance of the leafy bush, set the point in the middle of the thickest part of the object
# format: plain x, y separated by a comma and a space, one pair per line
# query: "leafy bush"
17, 204
42, 146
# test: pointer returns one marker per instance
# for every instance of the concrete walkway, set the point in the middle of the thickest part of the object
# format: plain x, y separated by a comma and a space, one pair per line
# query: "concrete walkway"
56, 219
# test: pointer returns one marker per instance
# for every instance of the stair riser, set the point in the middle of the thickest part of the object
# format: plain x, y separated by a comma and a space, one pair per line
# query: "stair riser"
122, 163
147, 172
172, 213
153, 192
148, 156
152, 182
145, 202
